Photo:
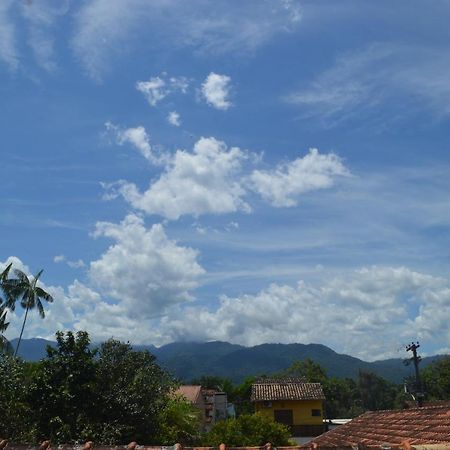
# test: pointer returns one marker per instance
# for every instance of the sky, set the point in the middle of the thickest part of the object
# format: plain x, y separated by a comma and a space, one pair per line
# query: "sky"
246, 171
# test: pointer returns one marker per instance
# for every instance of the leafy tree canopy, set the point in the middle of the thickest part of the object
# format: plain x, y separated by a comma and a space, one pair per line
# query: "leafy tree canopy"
248, 430
436, 378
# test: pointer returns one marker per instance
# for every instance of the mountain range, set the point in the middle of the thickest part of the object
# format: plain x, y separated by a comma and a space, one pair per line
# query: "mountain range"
189, 360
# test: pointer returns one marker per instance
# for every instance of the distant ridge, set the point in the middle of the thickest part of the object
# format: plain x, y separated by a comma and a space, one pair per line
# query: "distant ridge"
189, 360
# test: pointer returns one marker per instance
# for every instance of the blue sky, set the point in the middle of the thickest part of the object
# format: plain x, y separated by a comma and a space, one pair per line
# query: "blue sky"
255, 171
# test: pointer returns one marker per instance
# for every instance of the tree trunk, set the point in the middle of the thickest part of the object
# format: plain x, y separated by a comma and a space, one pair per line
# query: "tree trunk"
21, 332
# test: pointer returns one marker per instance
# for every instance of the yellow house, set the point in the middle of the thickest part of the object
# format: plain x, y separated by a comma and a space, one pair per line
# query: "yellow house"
292, 402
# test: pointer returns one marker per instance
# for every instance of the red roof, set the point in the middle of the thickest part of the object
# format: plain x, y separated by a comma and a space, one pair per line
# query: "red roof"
190, 392
287, 389
427, 425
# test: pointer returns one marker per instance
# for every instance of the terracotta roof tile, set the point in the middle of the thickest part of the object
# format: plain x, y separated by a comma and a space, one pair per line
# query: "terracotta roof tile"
190, 392
419, 425
288, 389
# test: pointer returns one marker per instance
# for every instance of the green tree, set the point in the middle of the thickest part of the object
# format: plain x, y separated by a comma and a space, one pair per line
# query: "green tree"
5, 345
63, 392
15, 423
342, 398
180, 422
5, 303
436, 378
375, 392
29, 294
307, 369
133, 391
247, 430
242, 394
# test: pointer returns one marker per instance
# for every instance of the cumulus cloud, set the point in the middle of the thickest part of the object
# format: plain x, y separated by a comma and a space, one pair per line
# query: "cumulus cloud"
194, 183
212, 179
157, 88
144, 270
369, 312
366, 313
362, 81
174, 119
58, 315
282, 186
216, 89
103, 27
138, 138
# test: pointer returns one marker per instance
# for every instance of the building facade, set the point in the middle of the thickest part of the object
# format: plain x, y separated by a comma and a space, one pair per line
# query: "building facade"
292, 402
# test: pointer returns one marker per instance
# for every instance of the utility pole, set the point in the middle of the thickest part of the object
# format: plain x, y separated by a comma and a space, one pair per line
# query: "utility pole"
417, 391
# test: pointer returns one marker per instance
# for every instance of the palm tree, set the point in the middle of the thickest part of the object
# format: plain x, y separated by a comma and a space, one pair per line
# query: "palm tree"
29, 294
5, 346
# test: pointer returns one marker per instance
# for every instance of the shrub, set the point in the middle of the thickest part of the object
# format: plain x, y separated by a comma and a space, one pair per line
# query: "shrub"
248, 430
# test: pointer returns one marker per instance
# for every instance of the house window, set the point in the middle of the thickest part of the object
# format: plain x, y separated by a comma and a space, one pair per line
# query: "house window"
316, 412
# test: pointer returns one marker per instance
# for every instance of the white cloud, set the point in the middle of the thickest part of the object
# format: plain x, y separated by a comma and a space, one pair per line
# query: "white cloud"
362, 81
194, 183
59, 259
105, 27
41, 16
366, 313
154, 89
216, 89
174, 119
8, 45
139, 138
211, 179
369, 313
143, 270
283, 185
81, 308
16, 264
78, 264
157, 88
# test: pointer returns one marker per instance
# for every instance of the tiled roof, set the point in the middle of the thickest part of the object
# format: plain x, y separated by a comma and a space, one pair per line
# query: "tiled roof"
286, 389
427, 425
191, 393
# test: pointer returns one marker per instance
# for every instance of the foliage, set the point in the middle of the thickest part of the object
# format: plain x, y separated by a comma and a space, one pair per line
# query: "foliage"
436, 378
15, 421
180, 422
63, 391
5, 303
110, 395
346, 397
342, 398
134, 391
248, 430
375, 392
28, 293
307, 369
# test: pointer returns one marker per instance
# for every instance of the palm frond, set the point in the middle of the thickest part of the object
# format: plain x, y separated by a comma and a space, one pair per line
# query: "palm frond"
37, 276
21, 276
3, 323
45, 295
5, 273
40, 308
5, 346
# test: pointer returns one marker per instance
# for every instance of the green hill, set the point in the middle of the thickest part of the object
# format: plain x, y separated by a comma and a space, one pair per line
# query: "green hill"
189, 360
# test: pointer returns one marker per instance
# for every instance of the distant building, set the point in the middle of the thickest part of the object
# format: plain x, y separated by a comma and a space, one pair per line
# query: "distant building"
292, 402
389, 428
212, 403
